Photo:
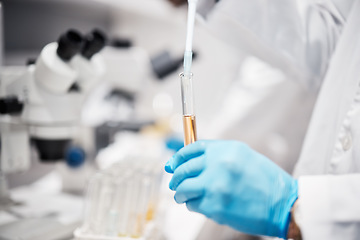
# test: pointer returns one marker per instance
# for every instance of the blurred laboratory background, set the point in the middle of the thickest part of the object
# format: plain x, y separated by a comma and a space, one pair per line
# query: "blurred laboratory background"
90, 104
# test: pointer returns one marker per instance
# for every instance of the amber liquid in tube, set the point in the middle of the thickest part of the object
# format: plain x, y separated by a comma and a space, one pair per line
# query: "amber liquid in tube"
189, 129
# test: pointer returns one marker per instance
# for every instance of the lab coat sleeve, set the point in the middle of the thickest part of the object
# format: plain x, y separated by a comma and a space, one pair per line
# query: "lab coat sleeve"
329, 207
297, 36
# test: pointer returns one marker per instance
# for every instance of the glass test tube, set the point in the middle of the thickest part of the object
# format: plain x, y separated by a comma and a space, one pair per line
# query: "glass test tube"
189, 120
125, 208
91, 203
135, 218
106, 196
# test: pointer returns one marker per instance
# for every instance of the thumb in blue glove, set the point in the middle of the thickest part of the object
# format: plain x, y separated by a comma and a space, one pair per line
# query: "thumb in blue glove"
232, 184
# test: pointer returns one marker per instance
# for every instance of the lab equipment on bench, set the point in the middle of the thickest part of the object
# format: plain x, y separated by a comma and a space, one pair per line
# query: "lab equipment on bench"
189, 120
122, 200
43, 101
50, 94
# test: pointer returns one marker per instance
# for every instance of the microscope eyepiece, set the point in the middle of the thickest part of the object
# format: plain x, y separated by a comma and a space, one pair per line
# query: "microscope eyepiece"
94, 42
69, 44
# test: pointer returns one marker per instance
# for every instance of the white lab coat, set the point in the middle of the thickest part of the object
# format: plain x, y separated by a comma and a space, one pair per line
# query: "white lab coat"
302, 36
296, 36
329, 167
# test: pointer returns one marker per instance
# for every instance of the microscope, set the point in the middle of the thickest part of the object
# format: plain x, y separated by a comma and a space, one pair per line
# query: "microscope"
43, 106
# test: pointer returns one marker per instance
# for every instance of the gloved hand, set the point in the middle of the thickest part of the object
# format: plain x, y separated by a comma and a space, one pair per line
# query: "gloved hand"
232, 184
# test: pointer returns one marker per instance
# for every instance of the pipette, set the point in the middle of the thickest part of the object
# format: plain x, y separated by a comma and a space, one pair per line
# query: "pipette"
189, 36
189, 120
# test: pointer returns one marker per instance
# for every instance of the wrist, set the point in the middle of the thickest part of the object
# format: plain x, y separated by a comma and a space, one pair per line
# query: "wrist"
294, 230
287, 208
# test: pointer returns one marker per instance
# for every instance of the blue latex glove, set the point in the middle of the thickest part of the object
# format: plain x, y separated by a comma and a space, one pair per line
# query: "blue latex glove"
232, 184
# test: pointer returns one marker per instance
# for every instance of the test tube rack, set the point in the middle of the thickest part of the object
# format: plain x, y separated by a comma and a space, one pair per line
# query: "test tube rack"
121, 202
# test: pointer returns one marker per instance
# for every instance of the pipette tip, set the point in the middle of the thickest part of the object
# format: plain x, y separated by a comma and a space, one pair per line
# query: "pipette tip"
187, 62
